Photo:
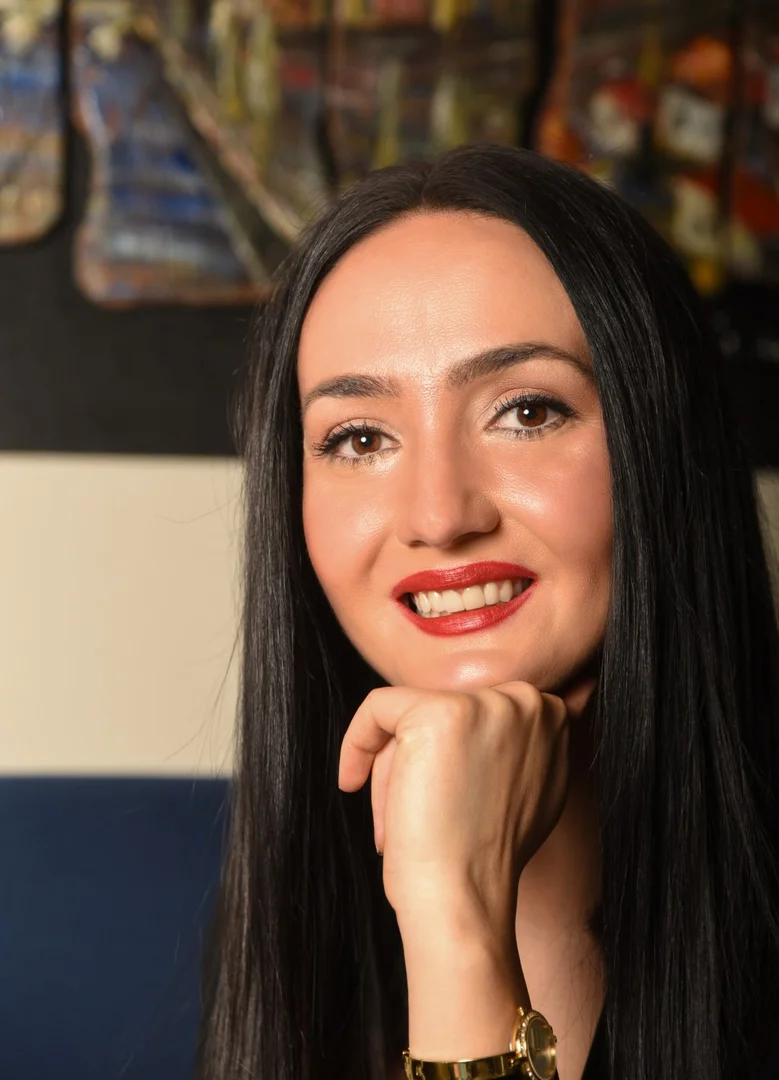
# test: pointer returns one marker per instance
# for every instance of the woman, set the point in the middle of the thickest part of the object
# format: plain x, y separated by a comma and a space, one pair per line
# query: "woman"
503, 559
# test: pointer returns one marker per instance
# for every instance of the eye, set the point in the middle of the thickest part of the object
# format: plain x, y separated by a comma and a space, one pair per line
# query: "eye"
351, 442
530, 415
362, 443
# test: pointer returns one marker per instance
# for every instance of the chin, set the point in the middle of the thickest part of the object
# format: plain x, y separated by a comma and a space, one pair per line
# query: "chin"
475, 671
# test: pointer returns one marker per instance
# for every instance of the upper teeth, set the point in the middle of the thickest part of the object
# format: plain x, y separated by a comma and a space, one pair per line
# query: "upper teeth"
433, 604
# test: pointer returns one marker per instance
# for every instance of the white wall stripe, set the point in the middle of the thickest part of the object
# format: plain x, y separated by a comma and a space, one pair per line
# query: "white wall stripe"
118, 599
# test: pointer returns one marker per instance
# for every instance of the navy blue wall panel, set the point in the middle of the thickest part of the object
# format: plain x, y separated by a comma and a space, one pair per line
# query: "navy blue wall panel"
106, 892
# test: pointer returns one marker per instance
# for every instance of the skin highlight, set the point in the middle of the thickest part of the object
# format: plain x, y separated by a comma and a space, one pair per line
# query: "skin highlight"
417, 457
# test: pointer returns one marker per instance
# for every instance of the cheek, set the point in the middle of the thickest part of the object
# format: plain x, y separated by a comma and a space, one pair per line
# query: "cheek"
343, 527
567, 505
583, 538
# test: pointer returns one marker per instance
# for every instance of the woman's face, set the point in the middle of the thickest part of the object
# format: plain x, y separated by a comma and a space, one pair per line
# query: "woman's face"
453, 444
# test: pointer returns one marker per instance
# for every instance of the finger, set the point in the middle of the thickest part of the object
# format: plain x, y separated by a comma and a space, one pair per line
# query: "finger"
555, 708
525, 696
372, 726
569, 701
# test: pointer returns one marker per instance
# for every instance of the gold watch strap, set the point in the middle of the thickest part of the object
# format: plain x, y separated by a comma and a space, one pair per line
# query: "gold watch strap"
486, 1068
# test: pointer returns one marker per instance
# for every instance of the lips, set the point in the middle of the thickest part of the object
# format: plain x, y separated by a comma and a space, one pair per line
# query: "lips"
461, 577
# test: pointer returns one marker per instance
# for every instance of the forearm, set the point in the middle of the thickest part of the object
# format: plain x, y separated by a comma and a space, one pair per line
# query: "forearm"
463, 993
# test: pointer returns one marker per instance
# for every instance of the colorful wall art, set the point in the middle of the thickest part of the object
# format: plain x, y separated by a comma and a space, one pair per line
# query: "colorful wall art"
31, 121
156, 230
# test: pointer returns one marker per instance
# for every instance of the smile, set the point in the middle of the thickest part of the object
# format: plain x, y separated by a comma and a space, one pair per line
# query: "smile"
463, 599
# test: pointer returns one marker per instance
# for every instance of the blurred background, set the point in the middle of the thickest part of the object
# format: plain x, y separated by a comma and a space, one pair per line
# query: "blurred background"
157, 160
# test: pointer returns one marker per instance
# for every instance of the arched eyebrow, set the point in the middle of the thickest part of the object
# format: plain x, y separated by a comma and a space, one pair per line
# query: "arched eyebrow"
489, 362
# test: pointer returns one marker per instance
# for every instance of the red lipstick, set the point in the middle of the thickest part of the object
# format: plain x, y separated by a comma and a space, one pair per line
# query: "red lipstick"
460, 577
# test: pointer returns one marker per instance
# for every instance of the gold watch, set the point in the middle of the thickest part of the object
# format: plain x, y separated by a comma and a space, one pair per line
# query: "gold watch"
532, 1053
534, 1045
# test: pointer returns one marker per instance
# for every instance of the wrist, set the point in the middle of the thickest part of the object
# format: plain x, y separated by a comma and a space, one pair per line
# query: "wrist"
458, 921
463, 996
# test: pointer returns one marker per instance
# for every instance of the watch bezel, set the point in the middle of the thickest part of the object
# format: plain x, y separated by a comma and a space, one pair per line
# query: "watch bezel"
520, 1047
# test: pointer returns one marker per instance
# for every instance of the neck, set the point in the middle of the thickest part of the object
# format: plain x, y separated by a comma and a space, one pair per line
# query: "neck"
559, 891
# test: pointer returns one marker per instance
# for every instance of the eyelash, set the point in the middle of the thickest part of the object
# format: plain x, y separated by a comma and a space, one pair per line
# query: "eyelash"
328, 446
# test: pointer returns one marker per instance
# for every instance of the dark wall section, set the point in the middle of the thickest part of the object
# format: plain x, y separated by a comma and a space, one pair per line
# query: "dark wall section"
76, 378
747, 318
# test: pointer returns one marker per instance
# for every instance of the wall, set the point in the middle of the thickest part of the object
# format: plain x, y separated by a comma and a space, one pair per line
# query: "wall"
117, 614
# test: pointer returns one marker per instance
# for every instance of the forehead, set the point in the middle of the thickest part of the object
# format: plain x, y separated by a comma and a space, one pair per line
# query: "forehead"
428, 290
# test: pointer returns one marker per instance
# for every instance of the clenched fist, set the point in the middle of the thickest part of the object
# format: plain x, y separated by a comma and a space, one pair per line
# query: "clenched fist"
465, 788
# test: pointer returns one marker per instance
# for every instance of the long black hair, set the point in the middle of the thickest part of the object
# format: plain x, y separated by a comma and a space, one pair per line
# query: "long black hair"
306, 980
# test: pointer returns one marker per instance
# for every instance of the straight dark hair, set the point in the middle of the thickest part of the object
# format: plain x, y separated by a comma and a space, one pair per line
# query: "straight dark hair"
305, 979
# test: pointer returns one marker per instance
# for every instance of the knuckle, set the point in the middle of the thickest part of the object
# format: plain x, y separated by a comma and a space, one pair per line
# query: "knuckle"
452, 713
445, 717
499, 706
413, 732
530, 699
456, 707
375, 696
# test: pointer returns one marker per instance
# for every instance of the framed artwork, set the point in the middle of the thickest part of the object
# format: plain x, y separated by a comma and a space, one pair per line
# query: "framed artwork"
156, 229
32, 127
675, 104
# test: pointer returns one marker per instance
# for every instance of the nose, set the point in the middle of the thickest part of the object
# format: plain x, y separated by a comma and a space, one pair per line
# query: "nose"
444, 501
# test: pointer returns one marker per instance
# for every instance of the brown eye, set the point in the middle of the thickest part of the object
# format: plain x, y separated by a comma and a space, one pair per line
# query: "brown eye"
365, 442
528, 417
533, 415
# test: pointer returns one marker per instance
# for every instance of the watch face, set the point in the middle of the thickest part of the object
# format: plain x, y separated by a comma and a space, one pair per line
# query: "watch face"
541, 1053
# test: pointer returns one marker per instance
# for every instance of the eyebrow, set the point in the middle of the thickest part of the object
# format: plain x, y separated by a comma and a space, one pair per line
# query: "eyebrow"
489, 362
